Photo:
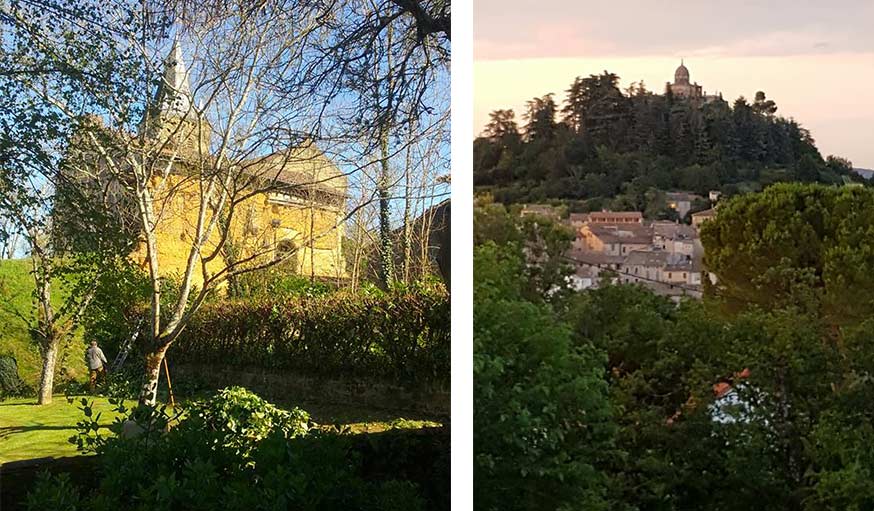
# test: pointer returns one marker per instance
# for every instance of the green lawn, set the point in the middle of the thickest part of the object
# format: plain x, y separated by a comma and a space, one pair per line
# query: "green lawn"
31, 431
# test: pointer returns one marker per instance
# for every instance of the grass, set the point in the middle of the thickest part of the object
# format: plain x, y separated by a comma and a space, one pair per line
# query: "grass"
30, 431
16, 304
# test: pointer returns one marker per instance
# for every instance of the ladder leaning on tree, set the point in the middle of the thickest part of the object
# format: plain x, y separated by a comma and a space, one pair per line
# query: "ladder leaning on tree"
126, 347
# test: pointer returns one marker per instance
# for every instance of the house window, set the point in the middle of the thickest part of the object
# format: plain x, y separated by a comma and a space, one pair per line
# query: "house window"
684, 276
670, 275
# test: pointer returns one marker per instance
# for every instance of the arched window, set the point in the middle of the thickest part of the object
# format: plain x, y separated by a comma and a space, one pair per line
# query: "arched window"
286, 250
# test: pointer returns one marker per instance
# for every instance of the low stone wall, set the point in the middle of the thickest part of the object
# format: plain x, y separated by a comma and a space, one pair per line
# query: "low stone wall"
287, 386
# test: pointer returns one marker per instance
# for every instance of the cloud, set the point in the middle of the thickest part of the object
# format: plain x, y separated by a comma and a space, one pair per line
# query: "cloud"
778, 43
543, 39
512, 29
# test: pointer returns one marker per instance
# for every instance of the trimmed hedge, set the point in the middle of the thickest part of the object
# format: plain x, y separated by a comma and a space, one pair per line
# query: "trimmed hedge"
401, 337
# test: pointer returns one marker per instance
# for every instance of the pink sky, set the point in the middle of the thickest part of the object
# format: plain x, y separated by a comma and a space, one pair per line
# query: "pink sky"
818, 64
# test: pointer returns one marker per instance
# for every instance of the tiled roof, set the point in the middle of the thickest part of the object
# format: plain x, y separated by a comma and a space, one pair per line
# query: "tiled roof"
594, 258
651, 258
613, 216
622, 233
674, 230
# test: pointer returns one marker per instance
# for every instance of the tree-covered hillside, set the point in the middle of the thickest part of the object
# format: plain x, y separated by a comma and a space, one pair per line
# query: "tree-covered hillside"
607, 143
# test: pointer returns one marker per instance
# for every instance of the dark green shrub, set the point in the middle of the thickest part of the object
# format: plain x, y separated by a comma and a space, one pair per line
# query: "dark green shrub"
401, 336
278, 282
54, 492
543, 424
233, 451
11, 384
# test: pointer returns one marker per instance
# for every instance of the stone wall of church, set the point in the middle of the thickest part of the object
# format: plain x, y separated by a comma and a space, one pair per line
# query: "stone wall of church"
261, 225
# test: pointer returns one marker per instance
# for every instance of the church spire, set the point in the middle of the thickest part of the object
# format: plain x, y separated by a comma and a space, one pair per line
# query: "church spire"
175, 91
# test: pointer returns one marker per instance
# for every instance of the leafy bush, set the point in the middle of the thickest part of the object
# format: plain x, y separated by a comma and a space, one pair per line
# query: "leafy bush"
233, 451
401, 336
542, 418
53, 492
241, 417
280, 281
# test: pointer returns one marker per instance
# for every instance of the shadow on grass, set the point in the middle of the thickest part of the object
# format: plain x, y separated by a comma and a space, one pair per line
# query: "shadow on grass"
6, 432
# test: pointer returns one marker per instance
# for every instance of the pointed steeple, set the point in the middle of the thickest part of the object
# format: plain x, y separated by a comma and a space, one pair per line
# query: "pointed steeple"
171, 114
175, 91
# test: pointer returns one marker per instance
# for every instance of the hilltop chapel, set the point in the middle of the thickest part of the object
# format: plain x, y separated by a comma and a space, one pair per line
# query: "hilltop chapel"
295, 210
683, 89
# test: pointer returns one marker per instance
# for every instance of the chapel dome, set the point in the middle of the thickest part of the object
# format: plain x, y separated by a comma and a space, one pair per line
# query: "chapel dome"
681, 75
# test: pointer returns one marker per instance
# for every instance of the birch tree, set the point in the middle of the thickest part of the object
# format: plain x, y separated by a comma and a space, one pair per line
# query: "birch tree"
31, 192
251, 101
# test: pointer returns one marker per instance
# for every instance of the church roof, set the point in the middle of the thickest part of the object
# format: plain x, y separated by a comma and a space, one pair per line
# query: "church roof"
302, 166
681, 75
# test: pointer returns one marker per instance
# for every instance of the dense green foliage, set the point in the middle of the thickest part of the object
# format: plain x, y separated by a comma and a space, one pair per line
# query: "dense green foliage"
541, 239
542, 422
278, 281
702, 406
688, 449
401, 336
232, 451
619, 149
797, 245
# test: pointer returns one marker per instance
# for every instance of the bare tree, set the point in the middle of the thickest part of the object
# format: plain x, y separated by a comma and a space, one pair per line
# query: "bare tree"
255, 100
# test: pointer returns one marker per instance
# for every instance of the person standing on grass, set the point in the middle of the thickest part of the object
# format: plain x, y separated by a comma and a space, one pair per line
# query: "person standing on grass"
96, 363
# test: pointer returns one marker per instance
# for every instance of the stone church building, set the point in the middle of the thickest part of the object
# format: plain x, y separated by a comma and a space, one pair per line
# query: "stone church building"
292, 203
682, 88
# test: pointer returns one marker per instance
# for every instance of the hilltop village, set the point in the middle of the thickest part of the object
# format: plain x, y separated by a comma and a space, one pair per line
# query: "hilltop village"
623, 247
634, 173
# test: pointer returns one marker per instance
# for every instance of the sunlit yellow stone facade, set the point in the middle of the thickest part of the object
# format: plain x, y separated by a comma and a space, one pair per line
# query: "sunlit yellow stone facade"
294, 206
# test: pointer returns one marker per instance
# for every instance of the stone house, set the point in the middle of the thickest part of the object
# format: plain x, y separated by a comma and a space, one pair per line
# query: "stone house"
613, 217
590, 267
656, 266
681, 202
702, 216
612, 239
676, 238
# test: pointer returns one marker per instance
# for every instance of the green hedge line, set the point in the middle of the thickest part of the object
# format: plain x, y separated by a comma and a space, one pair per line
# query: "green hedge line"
401, 337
